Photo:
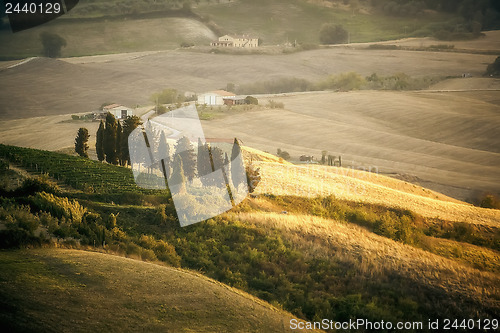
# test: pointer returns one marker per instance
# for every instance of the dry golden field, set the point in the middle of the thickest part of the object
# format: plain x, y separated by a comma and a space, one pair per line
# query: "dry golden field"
377, 255
69, 290
48, 86
444, 139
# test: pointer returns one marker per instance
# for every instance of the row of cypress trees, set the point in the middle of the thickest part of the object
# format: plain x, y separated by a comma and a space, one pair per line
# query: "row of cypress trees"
112, 139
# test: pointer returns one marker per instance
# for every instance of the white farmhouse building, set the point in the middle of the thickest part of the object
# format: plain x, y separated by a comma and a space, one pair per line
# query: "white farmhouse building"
216, 97
236, 41
119, 111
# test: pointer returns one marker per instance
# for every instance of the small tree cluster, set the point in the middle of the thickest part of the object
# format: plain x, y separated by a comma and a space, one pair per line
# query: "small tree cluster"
112, 139
283, 154
494, 68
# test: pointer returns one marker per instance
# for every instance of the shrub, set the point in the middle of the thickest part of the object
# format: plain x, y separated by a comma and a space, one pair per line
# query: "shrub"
275, 105
253, 177
32, 185
59, 207
344, 81
52, 44
333, 34
490, 201
494, 68
251, 100
283, 154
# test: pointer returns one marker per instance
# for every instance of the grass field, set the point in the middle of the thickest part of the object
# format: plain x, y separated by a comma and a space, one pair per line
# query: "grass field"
280, 21
68, 290
108, 36
326, 257
82, 84
277, 22
447, 140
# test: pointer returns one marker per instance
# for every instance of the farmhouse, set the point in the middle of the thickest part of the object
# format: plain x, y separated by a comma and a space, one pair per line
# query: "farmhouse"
117, 110
216, 97
243, 41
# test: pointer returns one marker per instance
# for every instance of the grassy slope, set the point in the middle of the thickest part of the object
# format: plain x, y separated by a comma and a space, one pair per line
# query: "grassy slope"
77, 291
88, 82
443, 138
108, 36
274, 22
311, 182
281, 20
377, 265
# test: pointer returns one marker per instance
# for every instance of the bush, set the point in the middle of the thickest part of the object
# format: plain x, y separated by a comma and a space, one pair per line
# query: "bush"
253, 177
32, 185
251, 100
59, 207
283, 154
344, 81
333, 34
494, 68
52, 44
275, 105
490, 201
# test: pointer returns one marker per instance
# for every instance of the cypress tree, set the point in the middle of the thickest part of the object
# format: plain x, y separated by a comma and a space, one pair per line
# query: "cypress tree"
204, 164
110, 139
129, 125
118, 143
238, 175
99, 143
81, 146
185, 150
178, 178
164, 153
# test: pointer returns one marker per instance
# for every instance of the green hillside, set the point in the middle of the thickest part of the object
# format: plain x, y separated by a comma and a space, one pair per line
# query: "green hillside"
325, 258
103, 27
55, 290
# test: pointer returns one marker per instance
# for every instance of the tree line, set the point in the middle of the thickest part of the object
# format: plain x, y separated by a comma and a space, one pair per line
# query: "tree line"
111, 140
112, 147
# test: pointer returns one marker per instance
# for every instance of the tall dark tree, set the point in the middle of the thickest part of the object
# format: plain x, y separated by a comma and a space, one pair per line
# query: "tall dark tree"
494, 68
178, 179
185, 150
52, 44
81, 142
237, 168
99, 142
110, 139
164, 153
204, 165
129, 125
118, 143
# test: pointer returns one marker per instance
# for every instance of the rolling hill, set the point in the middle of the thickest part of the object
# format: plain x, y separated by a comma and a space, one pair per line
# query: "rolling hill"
83, 84
373, 253
447, 140
76, 291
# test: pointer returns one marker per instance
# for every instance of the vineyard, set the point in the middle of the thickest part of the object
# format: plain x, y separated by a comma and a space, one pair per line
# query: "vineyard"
78, 172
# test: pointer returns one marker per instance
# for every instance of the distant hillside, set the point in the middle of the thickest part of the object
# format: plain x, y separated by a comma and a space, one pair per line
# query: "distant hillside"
104, 27
50, 290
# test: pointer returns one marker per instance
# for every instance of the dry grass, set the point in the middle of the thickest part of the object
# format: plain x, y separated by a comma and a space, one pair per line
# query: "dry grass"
375, 255
442, 140
490, 42
81, 84
280, 179
78, 291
